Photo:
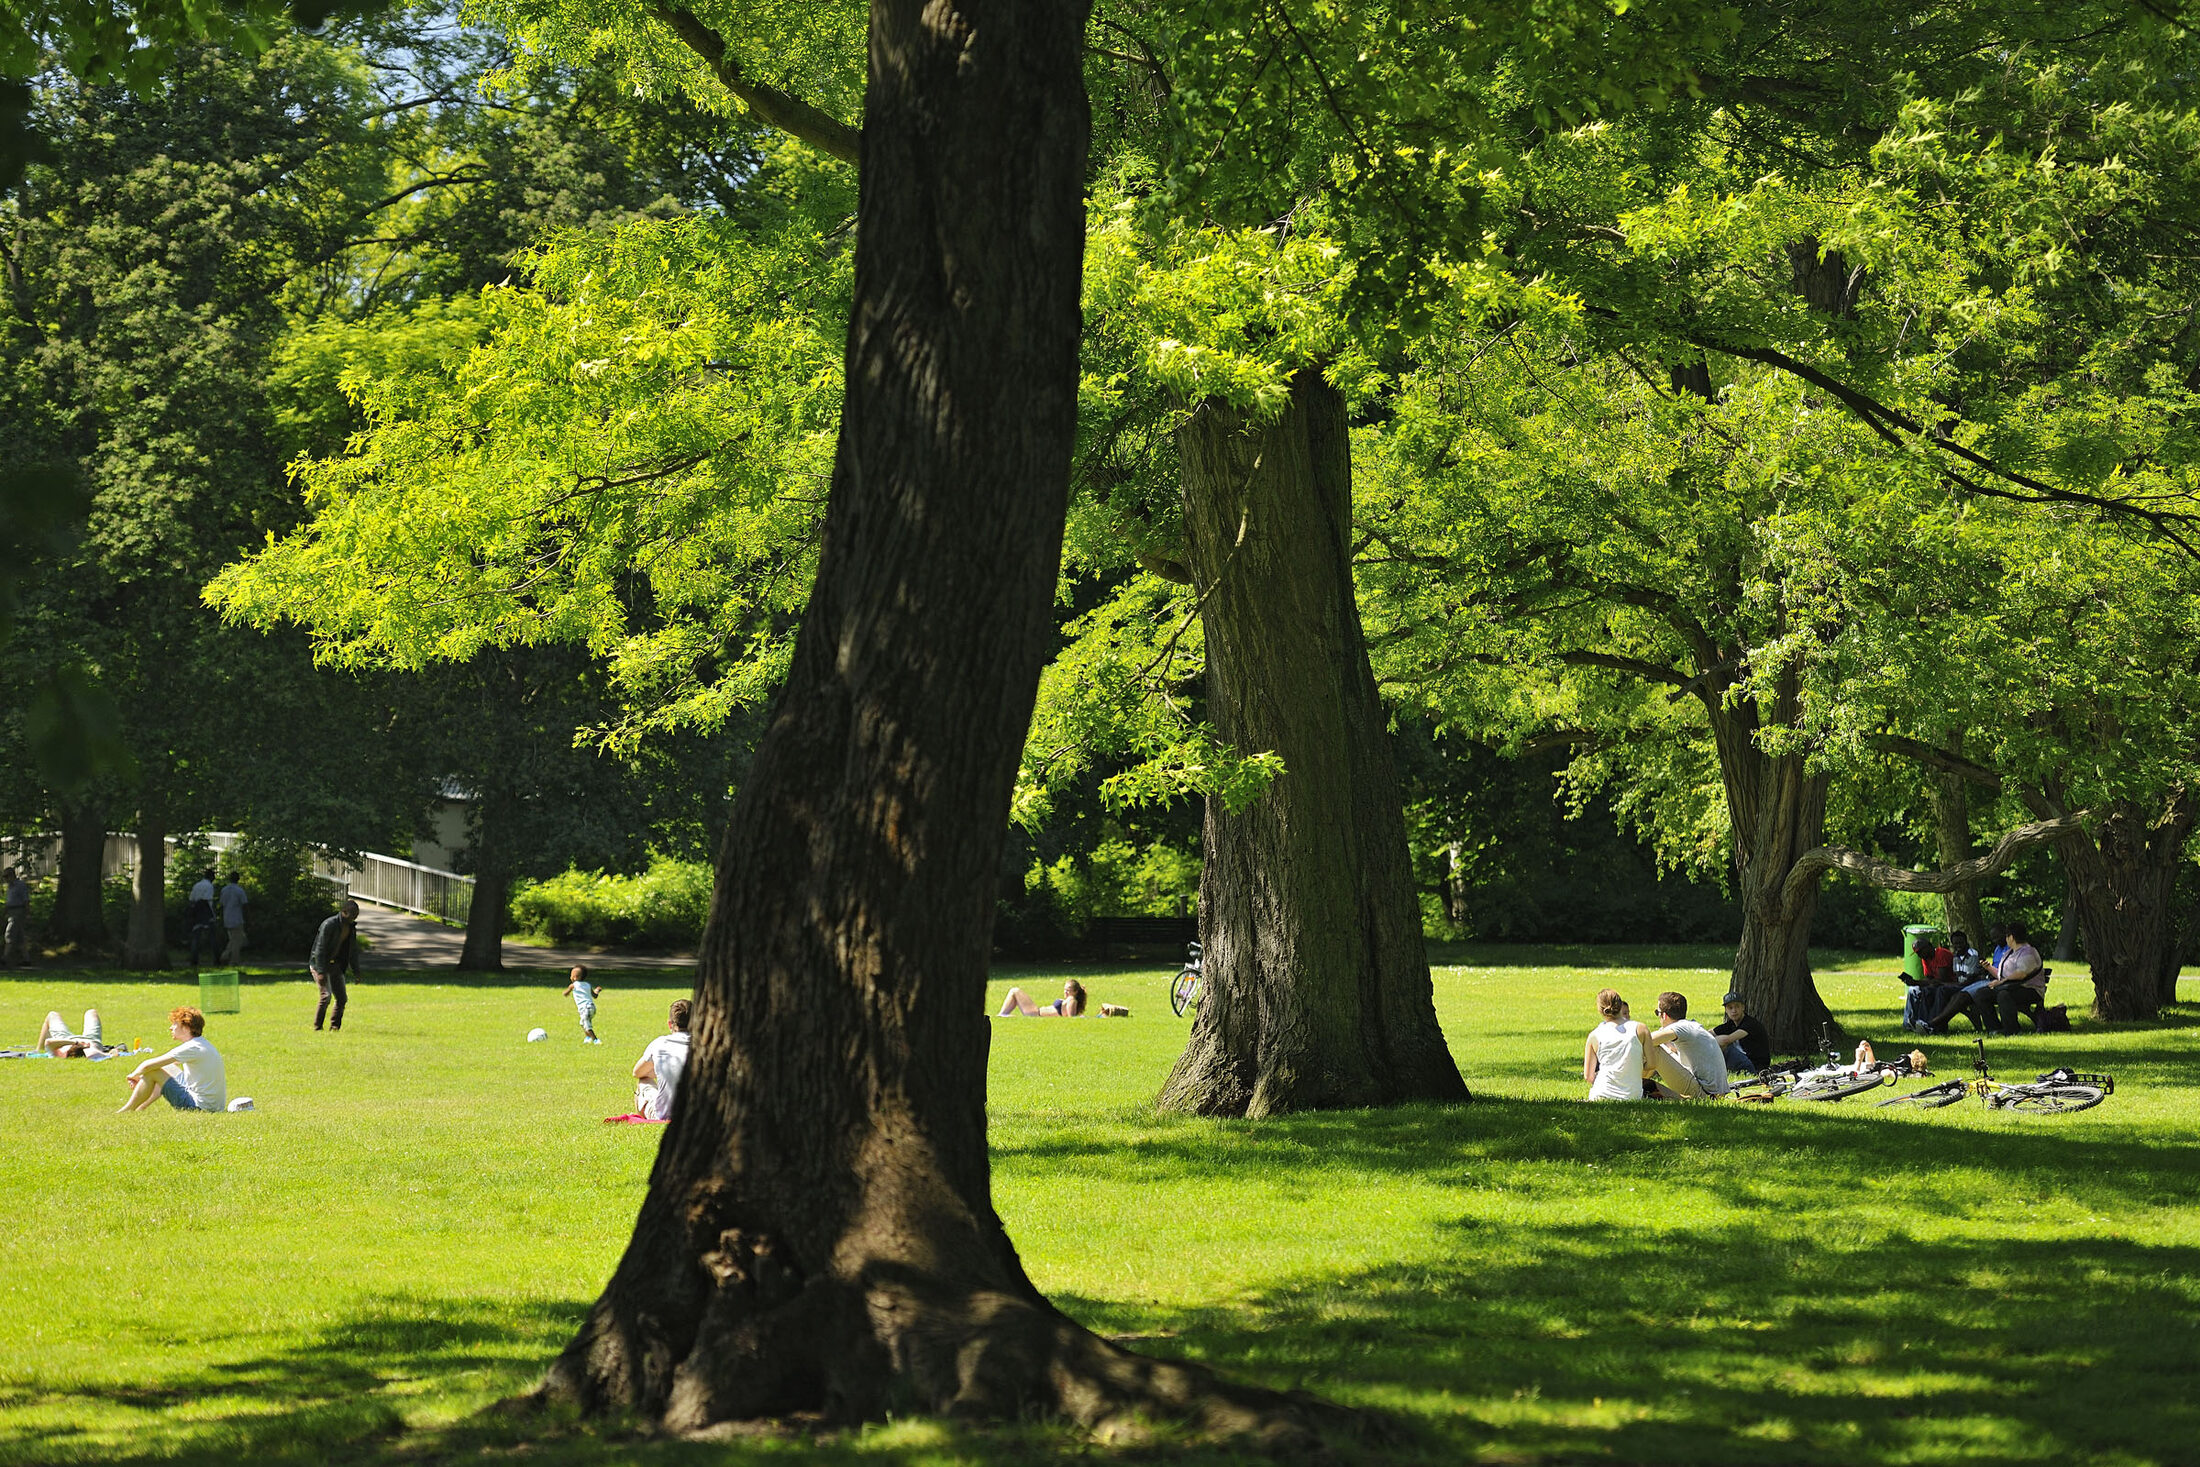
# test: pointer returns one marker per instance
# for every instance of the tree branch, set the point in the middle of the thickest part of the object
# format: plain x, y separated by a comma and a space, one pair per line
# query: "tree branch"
768, 105
1632, 666
1891, 423
1920, 752
1807, 866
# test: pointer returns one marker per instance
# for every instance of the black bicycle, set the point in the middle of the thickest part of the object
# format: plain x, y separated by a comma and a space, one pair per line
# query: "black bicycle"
1184, 988
2059, 1090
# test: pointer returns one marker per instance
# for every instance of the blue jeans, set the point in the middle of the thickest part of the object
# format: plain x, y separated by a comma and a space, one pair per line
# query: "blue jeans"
172, 1091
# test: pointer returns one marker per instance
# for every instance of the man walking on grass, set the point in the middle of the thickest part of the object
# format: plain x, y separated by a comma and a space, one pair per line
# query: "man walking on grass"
335, 949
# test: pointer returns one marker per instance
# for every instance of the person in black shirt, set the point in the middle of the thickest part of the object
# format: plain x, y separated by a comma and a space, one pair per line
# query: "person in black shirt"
1744, 1040
335, 948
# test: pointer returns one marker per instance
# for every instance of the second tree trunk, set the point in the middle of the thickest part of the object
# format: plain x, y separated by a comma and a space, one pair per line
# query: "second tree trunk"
1317, 980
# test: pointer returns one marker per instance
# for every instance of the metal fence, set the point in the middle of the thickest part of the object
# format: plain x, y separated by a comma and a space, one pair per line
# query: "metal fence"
389, 882
383, 880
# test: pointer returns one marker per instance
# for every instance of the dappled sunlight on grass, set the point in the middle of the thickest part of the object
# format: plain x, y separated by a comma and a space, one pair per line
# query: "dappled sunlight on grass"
423, 1208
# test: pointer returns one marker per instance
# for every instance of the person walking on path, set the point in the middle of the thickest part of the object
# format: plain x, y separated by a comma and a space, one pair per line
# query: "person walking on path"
335, 950
233, 904
18, 948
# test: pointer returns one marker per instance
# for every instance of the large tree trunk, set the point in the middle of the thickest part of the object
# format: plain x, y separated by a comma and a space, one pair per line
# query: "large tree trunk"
1772, 961
1951, 799
146, 946
485, 915
819, 1233
2124, 876
77, 912
1317, 979
1777, 810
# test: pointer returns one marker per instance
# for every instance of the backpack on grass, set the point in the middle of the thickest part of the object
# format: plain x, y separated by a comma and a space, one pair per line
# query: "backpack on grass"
2055, 1019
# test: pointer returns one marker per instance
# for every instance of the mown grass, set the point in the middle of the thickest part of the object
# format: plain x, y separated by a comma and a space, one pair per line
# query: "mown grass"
423, 1206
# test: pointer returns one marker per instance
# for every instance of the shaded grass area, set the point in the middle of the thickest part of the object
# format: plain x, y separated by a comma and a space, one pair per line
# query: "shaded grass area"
419, 1214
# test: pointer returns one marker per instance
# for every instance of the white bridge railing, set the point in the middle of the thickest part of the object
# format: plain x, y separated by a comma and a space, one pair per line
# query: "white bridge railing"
384, 880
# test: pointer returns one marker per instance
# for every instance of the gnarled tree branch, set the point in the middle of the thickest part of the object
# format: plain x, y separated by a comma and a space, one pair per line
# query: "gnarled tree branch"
1896, 878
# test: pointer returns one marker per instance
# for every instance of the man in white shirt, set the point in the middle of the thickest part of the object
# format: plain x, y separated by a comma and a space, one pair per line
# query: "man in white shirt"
657, 1072
1684, 1056
188, 1077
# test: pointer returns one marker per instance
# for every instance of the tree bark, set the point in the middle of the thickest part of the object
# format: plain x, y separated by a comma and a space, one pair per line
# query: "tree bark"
1951, 797
146, 946
77, 909
1317, 979
485, 915
819, 1235
1777, 810
1772, 961
2124, 876
2066, 931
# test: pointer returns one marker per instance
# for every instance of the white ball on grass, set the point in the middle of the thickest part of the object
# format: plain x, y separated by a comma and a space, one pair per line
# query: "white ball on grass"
536, 1036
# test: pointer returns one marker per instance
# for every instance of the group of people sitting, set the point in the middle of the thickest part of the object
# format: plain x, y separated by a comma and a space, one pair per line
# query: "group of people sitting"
1991, 992
1625, 1059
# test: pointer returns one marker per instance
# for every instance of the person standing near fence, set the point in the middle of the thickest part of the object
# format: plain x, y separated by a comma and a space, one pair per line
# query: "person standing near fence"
233, 904
335, 950
18, 941
200, 918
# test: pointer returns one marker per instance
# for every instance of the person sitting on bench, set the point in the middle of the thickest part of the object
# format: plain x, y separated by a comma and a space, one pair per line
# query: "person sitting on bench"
1927, 993
2019, 983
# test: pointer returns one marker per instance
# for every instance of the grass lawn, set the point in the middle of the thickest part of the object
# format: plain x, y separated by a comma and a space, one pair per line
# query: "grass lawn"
424, 1205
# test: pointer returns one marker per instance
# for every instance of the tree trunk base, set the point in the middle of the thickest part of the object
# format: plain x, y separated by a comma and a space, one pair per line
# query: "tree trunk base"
773, 1355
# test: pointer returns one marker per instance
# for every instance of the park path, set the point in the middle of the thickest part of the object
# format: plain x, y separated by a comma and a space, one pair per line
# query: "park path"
401, 940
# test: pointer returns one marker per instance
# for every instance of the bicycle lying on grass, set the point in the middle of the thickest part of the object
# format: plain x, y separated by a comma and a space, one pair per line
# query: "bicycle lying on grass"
2056, 1091
1836, 1079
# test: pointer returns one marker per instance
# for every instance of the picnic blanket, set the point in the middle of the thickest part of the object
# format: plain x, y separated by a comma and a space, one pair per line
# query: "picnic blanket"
631, 1118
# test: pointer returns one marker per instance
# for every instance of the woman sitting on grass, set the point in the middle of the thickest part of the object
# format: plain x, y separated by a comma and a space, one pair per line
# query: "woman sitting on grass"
1612, 1060
1069, 1006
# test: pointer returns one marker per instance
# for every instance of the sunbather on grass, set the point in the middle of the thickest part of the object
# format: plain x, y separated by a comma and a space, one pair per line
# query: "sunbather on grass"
54, 1038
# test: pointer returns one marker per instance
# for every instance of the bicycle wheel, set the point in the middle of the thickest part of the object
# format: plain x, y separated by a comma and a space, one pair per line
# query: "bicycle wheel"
1837, 1089
1184, 992
1932, 1097
2048, 1099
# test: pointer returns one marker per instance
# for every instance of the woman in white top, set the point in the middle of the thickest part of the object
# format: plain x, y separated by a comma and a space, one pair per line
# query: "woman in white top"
1612, 1059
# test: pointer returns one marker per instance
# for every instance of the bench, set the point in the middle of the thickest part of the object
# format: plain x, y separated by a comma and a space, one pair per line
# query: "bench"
1142, 932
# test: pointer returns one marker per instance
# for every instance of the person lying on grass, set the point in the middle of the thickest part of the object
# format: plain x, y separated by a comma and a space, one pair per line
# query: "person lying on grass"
1071, 1005
1068, 1006
197, 1081
1612, 1060
1687, 1061
54, 1038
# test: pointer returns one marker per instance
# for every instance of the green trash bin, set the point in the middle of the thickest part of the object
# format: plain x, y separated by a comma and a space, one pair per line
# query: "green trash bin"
1910, 961
219, 992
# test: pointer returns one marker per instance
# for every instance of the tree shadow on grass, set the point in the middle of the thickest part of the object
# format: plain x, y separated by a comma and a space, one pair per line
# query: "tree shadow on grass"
1591, 1342
1805, 1285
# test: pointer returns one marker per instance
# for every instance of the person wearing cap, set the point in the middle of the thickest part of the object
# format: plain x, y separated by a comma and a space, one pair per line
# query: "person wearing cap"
1742, 1039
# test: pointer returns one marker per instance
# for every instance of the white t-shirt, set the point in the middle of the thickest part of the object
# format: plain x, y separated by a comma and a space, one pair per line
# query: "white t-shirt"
198, 1067
203, 891
1701, 1052
233, 900
1619, 1061
669, 1053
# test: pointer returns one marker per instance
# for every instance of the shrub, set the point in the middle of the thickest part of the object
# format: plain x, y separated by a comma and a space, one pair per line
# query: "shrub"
664, 906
